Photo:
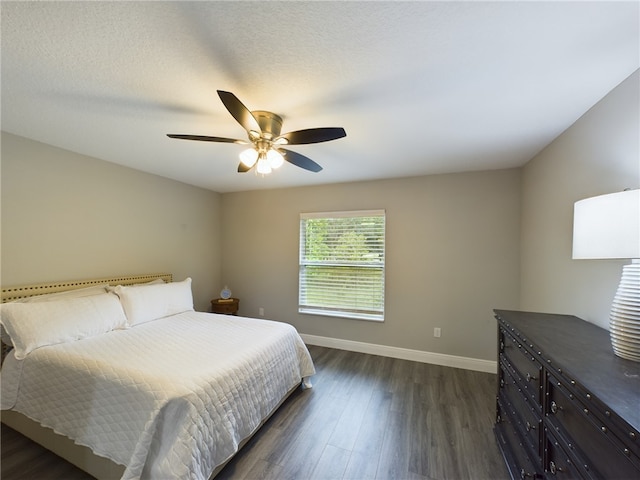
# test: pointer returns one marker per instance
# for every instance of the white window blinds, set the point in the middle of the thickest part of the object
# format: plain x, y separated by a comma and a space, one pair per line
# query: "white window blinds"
342, 264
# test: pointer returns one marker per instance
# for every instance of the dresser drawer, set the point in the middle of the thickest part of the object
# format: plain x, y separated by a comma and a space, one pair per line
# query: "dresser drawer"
587, 440
525, 365
526, 417
602, 415
516, 453
558, 462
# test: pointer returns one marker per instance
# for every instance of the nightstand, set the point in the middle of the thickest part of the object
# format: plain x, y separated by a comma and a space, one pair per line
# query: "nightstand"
226, 307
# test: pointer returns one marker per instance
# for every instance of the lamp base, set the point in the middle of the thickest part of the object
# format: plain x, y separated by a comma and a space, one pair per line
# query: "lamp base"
624, 319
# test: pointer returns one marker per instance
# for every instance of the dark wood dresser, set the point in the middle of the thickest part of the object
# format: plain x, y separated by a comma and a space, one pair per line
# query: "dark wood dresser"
566, 407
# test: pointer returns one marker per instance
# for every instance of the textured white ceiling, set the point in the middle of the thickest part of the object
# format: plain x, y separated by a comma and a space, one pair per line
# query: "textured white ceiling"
420, 87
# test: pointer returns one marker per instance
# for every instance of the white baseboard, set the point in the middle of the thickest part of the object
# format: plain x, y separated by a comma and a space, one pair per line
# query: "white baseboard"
466, 363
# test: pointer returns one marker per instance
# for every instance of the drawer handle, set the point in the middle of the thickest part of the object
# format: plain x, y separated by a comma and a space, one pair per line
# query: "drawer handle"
530, 377
529, 427
553, 468
555, 407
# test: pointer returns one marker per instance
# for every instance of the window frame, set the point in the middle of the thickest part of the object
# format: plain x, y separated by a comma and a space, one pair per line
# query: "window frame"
353, 311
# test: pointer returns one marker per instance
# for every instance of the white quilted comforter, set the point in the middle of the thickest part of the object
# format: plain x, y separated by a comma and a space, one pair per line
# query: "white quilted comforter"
171, 398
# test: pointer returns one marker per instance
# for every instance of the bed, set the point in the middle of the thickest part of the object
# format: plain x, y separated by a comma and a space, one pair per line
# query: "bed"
125, 380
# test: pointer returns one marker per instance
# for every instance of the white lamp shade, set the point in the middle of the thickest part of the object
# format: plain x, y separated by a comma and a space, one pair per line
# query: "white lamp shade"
248, 157
607, 226
263, 165
275, 159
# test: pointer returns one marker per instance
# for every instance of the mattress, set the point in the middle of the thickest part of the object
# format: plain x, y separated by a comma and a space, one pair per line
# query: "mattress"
171, 398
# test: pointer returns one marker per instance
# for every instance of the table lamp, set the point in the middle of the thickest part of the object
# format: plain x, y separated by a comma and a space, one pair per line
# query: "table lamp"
608, 227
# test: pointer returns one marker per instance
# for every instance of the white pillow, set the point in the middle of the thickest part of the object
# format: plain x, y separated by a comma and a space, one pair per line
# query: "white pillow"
37, 324
48, 297
145, 303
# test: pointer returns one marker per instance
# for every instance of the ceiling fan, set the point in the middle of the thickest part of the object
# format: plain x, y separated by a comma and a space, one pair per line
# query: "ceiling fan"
263, 129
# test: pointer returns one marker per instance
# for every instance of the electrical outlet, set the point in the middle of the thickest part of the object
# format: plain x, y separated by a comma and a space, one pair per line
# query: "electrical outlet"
261, 312
437, 332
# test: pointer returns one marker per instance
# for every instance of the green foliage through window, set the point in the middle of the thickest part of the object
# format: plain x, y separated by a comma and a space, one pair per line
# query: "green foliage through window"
342, 264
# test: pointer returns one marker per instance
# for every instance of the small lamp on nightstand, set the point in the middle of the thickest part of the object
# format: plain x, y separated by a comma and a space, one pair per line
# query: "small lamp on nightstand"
225, 304
608, 227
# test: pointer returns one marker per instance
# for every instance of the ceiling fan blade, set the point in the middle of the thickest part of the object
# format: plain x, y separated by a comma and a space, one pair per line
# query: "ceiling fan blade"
242, 168
300, 160
313, 135
204, 138
238, 111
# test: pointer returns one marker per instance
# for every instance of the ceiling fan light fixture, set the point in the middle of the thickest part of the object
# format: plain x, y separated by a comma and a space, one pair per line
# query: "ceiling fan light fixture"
275, 159
249, 157
263, 165
263, 129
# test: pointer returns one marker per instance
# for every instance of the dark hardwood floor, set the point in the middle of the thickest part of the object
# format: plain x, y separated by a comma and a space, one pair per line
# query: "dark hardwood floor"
366, 417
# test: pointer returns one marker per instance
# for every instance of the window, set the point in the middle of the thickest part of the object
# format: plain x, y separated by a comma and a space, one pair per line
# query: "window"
342, 264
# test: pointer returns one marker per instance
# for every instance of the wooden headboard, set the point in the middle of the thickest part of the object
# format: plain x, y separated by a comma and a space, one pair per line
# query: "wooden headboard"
24, 291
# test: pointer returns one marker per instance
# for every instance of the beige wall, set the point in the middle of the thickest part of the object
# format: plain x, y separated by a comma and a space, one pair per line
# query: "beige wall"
452, 255
458, 245
68, 216
452, 242
599, 154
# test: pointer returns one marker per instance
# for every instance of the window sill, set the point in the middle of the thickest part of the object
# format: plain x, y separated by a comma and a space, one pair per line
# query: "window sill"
348, 315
